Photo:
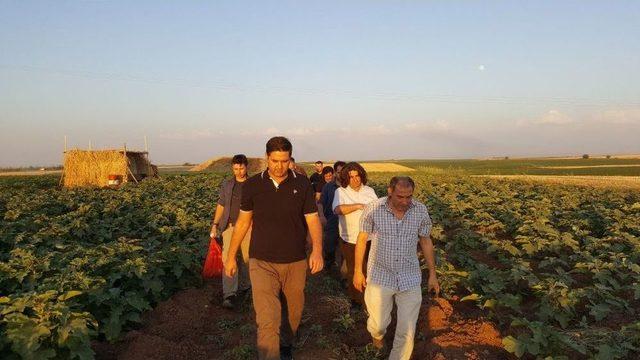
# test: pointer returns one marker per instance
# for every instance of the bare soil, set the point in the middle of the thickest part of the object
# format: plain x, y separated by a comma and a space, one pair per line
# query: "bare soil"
193, 325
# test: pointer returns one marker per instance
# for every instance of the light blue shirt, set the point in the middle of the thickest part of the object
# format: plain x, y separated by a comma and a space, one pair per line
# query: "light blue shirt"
393, 259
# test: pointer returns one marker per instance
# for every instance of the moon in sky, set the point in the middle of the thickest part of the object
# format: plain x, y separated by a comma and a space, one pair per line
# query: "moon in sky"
481, 67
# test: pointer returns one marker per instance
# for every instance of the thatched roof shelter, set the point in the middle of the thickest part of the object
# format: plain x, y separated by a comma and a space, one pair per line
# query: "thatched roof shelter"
105, 167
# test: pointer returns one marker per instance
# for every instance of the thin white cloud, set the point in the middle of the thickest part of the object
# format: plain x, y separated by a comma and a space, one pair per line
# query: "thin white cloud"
619, 116
437, 126
377, 130
554, 117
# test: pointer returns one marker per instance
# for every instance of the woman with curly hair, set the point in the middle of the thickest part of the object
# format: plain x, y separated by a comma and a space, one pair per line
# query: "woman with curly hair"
348, 203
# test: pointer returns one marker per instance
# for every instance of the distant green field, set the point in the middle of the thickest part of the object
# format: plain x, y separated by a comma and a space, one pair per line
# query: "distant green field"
614, 167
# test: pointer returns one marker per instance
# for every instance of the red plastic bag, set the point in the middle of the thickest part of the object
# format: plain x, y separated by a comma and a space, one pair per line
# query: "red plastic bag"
213, 264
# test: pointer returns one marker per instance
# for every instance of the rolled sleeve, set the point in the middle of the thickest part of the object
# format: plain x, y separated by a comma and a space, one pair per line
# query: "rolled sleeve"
425, 226
366, 220
222, 197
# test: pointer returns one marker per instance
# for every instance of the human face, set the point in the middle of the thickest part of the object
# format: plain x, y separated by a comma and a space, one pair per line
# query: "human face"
318, 167
278, 163
354, 179
400, 198
239, 171
328, 177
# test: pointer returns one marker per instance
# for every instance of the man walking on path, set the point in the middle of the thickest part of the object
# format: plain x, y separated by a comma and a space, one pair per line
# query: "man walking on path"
225, 218
327, 177
399, 224
330, 233
281, 205
316, 177
297, 168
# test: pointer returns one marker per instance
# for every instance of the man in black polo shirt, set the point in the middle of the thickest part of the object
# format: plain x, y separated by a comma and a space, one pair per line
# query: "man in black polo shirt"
316, 177
282, 207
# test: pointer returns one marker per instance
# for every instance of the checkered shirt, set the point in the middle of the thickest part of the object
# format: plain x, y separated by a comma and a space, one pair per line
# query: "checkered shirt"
393, 259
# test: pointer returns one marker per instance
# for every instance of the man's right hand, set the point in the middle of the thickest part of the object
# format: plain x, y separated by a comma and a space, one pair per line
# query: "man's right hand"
359, 281
230, 266
214, 232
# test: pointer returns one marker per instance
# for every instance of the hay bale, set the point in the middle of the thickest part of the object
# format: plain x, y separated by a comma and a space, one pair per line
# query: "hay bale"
223, 164
205, 165
92, 168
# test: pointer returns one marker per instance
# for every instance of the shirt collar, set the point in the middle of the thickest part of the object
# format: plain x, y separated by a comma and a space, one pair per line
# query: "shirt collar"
291, 172
388, 207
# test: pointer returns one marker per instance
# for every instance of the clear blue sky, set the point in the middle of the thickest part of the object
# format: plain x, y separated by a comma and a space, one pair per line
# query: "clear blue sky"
350, 80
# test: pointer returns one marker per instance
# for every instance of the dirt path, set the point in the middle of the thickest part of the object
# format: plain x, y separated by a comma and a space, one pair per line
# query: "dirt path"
192, 325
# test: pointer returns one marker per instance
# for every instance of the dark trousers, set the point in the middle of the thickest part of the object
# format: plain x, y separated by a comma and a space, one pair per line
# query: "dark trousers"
349, 254
330, 241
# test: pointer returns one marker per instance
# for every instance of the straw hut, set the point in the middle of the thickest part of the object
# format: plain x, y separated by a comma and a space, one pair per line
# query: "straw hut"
105, 167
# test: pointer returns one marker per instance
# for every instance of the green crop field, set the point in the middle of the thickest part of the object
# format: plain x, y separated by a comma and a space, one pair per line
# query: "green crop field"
550, 166
555, 267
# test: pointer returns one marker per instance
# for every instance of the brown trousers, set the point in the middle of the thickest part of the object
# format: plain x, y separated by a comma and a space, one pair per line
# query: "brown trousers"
349, 255
277, 320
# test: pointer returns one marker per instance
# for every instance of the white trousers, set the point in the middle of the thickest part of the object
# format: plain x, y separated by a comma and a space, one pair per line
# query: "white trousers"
379, 301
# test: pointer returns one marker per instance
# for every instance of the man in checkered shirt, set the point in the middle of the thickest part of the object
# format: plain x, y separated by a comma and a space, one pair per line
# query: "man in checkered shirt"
399, 223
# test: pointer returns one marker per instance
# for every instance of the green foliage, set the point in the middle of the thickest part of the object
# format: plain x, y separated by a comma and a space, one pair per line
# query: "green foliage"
241, 352
541, 166
85, 263
556, 266
552, 264
344, 322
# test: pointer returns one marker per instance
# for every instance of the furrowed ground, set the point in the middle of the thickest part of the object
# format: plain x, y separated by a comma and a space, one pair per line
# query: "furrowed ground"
528, 270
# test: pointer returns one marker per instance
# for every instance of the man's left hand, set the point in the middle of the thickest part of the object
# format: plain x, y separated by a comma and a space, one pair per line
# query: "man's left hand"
316, 263
432, 284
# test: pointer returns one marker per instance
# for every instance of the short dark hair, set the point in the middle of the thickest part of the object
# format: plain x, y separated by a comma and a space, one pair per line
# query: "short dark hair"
338, 163
279, 143
319, 162
402, 181
352, 166
240, 159
326, 170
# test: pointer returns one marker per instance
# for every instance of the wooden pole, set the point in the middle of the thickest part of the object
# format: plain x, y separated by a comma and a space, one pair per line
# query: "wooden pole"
146, 150
126, 161
64, 154
130, 172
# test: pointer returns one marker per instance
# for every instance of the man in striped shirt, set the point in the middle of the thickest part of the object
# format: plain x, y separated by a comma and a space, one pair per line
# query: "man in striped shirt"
393, 272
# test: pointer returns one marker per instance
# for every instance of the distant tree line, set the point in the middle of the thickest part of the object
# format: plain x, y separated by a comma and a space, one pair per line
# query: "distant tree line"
30, 168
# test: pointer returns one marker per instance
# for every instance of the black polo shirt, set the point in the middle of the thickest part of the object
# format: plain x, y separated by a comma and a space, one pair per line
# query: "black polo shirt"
279, 232
315, 178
